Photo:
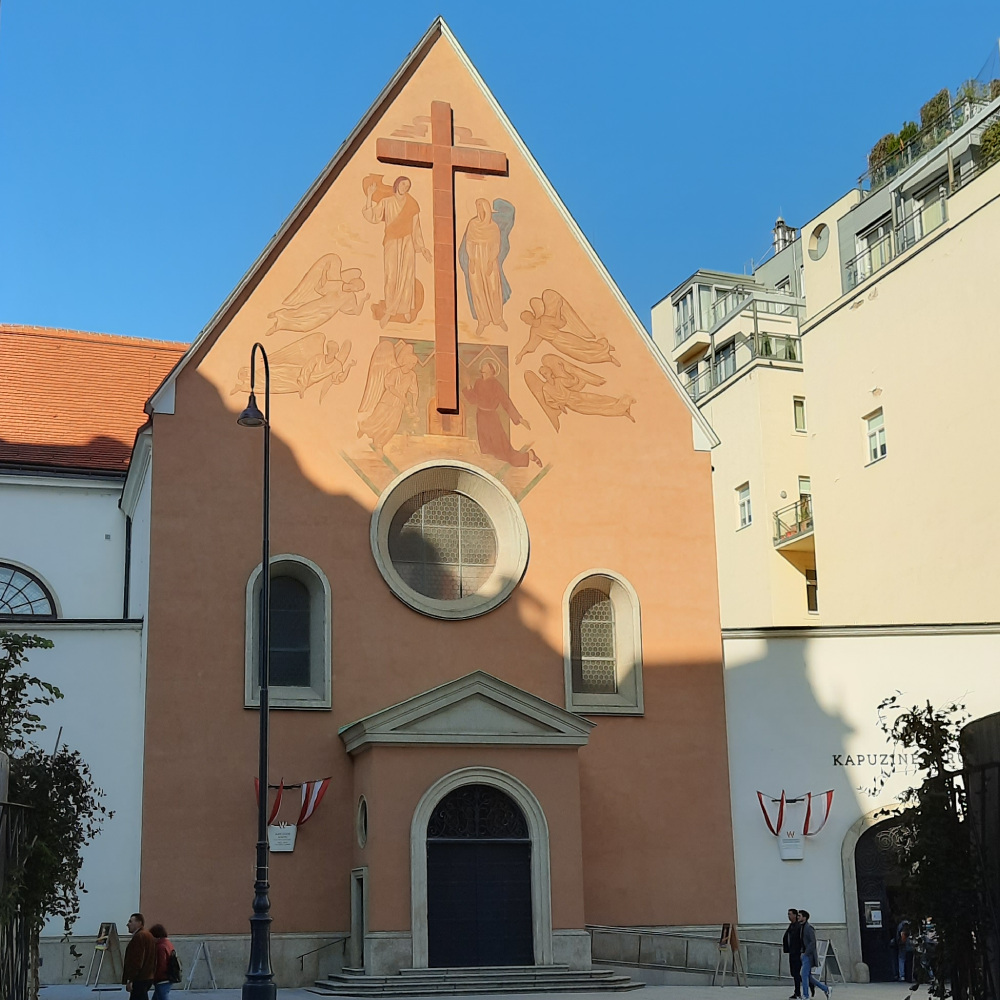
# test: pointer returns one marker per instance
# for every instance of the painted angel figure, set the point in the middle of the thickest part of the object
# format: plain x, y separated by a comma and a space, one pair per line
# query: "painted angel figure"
401, 242
390, 390
309, 361
481, 254
325, 290
553, 320
561, 386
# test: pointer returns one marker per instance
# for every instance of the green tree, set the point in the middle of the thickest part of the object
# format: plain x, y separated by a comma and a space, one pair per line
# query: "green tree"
65, 807
944, 877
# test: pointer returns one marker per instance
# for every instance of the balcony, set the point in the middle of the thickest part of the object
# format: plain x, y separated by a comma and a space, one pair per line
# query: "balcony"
747, 350
793, 525
905, 234
756, 301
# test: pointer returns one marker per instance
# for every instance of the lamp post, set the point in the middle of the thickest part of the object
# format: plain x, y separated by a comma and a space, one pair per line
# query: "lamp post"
259, 982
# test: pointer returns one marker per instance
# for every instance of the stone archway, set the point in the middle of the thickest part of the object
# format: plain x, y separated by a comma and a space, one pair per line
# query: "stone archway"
538, 833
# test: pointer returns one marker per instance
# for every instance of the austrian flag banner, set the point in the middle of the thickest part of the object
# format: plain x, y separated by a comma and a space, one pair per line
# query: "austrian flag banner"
312, 795
791, 819
277, 799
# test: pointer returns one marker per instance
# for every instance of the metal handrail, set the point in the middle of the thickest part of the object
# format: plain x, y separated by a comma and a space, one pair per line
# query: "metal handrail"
746, 350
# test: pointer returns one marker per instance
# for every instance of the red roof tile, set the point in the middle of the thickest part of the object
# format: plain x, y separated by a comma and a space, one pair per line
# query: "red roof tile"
75, 400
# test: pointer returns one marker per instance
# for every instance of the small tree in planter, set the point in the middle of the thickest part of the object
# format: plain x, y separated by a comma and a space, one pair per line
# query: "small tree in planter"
908, 133
989, 144
935, 109
994, 89
65, 806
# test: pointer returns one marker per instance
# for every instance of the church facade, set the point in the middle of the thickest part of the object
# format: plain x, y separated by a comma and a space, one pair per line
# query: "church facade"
494, 623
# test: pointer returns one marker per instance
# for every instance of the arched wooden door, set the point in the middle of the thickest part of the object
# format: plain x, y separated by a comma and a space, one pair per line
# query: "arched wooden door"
478, 881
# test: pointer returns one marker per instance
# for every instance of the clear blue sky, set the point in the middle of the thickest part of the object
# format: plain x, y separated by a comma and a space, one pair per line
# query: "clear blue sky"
149, 150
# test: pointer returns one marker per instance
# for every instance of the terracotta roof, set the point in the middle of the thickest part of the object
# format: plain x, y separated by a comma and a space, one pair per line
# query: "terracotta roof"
75, 400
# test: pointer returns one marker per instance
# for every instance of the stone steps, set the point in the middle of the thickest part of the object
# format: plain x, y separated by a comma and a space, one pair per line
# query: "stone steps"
474, 981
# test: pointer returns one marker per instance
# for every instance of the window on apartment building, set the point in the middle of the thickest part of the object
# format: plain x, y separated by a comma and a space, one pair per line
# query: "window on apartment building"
725, 362
799, 413
743, 503
812, 591
684, 317
875, 423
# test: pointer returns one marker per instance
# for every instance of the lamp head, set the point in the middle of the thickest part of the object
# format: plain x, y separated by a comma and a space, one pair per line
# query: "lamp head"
251, 416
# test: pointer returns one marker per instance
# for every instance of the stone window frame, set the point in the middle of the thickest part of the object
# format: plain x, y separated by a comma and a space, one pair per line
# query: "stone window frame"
628, 647
36, 578
319, 694
511, 531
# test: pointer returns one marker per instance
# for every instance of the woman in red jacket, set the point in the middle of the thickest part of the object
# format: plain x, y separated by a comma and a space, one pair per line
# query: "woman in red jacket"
164, 949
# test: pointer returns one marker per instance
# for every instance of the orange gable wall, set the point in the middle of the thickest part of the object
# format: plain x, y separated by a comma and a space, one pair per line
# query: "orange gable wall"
631, 497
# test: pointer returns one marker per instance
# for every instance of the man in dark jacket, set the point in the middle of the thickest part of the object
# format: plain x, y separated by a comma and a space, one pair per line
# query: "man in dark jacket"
810, 957
140, 959
791, 945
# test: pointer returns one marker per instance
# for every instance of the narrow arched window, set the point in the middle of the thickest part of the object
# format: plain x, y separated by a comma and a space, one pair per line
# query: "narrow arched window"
592, 631
23, 594
289, 635
299, 636
603, 651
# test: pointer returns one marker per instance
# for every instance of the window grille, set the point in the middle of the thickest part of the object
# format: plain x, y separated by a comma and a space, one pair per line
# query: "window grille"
592, 635
289, 657
22, 594
443, 544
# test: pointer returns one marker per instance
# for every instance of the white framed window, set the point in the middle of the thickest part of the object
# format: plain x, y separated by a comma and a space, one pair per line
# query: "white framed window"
743, 505
875, 427
24, 594
799, 413
602, 645
299, 636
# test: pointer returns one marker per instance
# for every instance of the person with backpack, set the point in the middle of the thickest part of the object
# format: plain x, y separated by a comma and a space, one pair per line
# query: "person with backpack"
168, 968
904, 947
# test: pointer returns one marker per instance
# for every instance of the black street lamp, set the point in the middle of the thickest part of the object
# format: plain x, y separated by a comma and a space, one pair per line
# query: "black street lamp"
259, 982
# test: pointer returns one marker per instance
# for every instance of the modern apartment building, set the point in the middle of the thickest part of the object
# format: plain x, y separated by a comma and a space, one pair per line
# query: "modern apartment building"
851, 378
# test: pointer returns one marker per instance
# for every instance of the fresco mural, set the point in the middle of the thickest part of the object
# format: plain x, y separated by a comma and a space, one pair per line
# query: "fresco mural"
399, 424
396, 209
560, 386
326, 289
553, 320
311, 360
481, 255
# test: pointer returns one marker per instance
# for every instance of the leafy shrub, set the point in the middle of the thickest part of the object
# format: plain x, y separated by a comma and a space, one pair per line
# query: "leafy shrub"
908, 133
936, 108
883, 149
990, 143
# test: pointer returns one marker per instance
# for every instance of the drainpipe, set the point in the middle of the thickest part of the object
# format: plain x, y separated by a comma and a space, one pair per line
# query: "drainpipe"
128, 564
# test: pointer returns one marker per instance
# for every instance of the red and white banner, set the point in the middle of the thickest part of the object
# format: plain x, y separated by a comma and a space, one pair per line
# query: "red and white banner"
792, 819
277, 800
312, 795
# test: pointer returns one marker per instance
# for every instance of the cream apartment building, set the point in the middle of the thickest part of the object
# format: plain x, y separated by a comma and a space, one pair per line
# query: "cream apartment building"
852, 380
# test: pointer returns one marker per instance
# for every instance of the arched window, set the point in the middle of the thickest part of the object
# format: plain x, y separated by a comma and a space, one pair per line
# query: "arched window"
603, 649
298, 638
23, 594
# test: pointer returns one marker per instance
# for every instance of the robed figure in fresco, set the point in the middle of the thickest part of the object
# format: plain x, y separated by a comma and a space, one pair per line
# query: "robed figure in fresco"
390, 391
311, 360
326, 289
489, 396
402, 241
560, 386
553, 320
481, 255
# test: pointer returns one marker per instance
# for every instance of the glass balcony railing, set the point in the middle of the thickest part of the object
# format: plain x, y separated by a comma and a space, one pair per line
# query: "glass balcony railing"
683, 330
793, 521
905, 234
762, 301
744, 351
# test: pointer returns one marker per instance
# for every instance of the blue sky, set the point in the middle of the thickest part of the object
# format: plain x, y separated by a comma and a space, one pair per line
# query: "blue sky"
151, 149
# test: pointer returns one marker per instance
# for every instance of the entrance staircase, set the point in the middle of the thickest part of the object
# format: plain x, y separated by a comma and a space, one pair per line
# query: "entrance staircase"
472, 981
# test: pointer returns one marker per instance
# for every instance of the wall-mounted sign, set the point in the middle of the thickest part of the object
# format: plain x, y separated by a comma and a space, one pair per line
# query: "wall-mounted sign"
792, 819
873, 913
281, 837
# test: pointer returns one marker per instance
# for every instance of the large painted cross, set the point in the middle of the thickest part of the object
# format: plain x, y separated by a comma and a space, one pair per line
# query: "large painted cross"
444, 158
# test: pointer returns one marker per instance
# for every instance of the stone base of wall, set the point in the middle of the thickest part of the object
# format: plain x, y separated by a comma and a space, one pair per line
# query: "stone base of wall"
296, 959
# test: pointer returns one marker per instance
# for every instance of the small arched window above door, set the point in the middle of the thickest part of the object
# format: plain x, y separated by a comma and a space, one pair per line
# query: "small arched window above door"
23, 594
602, 646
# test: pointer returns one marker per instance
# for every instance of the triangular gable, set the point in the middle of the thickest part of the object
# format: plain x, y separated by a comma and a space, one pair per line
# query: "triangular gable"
162, 400
473, 710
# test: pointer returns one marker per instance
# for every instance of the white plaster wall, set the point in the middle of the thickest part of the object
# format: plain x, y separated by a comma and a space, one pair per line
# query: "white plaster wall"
72, 535
138, 601
791, 705
98, 671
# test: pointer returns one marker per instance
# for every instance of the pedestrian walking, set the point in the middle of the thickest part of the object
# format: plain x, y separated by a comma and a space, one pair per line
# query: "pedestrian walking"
139, 965
167, 967
810, 957
791, 945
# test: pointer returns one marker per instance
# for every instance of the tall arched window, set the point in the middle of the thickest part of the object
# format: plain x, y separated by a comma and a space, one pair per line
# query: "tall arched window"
603, 650
298, 638
21, 593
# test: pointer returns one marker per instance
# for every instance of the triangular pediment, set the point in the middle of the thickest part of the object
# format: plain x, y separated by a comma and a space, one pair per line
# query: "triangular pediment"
475, 709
